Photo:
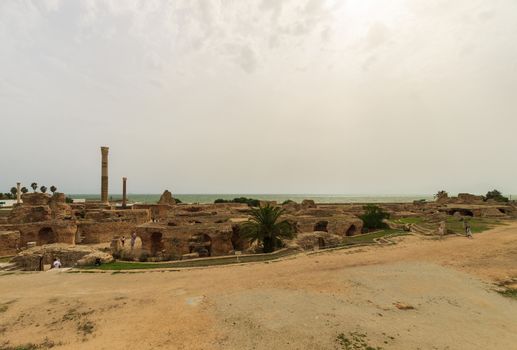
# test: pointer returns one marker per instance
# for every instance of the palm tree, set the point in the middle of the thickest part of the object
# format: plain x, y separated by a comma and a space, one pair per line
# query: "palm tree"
264, 226
34, 186
14, 191
43, 189
53, 189
24, 190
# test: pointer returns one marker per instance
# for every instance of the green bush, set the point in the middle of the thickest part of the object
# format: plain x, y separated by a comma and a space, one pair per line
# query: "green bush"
143, 257
249, 201
287, 201
373, 218
496, 195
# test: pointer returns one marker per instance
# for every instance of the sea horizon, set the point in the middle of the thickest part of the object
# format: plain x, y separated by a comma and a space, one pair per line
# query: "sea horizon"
297, 197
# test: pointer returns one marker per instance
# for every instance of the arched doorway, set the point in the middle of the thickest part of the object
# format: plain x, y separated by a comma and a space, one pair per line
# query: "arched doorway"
351, 230
46, 236
321, 242
462, 212
156, 243
321, 226
201, 244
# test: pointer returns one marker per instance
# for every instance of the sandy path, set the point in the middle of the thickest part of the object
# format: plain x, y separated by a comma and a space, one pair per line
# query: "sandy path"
298, 303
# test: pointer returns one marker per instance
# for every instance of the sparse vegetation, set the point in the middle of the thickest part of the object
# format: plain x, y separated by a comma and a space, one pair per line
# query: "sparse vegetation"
86, 327
374, 217
355, 341
43, 189
441, 194
288, 201
34, 186
509, 293
46, 344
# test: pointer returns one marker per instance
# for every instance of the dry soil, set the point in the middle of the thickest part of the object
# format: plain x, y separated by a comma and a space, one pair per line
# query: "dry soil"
418, 294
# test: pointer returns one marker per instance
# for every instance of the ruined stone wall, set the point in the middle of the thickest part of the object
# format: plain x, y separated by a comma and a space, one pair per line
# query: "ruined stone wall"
46, 232
91, 232
101, 226
178, 240
9, 242
341, 225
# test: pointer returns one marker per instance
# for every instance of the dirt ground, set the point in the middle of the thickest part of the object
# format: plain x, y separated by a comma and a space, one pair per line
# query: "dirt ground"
418, 294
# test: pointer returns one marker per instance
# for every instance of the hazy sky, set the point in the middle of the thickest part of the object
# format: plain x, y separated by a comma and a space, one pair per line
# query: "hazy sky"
267, 96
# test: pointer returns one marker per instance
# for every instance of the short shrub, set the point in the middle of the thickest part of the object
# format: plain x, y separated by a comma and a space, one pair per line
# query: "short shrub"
143, 257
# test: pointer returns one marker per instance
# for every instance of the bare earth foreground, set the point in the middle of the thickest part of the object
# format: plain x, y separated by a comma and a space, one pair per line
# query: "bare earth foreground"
298, 303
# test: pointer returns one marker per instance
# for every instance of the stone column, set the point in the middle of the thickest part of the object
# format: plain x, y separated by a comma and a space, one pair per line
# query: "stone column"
104, 175
18, 193
124, 193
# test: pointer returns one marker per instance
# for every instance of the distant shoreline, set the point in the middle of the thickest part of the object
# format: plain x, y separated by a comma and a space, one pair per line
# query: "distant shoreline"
210, 198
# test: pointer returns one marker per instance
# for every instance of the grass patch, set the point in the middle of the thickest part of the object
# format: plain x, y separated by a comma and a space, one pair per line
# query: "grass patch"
370, 237
477, 225
233, 259
409, 220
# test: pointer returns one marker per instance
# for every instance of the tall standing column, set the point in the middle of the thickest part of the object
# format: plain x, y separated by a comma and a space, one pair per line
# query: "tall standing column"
18, 193
104, 175
124, 193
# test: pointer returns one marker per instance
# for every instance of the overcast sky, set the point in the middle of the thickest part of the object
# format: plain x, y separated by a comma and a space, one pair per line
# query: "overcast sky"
267, 96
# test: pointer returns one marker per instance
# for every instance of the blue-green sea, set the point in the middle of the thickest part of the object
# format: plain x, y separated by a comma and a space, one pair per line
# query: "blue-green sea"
318, 198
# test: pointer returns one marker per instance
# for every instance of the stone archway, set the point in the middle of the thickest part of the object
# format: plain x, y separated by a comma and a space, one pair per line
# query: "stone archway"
462, 212
201, 244
46, 236
352, 230
321, 226
156, 243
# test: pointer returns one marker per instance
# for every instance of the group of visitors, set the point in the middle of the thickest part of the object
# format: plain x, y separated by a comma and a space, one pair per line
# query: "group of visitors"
132, 241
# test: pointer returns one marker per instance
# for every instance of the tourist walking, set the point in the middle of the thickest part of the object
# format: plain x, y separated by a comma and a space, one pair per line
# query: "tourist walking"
442, 229
123, 241
468, 230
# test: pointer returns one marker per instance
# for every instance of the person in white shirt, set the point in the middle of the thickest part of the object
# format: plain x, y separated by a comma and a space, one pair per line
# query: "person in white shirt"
56, 264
